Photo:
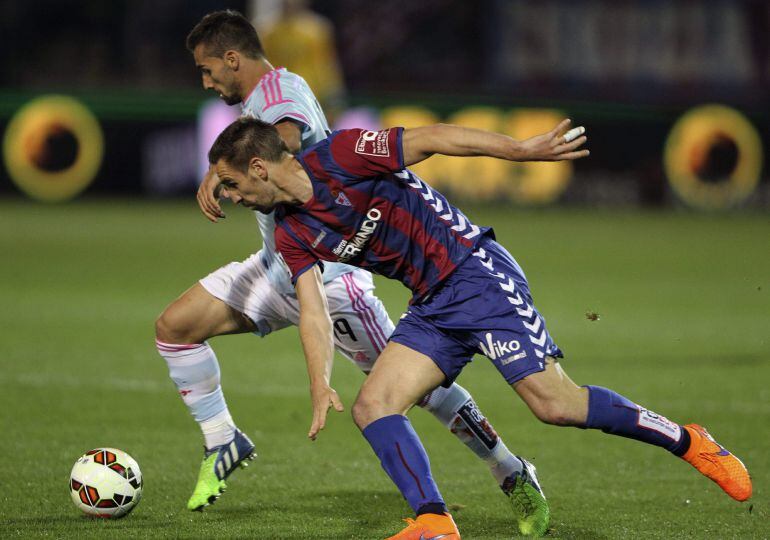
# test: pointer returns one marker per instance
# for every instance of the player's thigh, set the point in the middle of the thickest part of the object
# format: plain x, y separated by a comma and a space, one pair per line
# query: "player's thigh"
198, 315
360, 322
235, 298
246, 287
400, 377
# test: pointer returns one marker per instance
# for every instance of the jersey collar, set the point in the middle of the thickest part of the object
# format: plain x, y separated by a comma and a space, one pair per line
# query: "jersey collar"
260, 81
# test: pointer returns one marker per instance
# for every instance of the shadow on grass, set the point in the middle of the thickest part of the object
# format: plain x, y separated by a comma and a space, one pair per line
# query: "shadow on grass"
42, 523
369, 514
318, 514
350, 513
575, 533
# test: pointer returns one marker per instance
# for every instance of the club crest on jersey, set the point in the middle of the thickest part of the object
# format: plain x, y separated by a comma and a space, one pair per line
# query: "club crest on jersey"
373, 143
499, 349
349, 249
341, 199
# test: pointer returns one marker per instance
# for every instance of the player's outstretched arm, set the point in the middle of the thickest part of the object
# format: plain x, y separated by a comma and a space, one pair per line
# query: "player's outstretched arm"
561, 143
315, 330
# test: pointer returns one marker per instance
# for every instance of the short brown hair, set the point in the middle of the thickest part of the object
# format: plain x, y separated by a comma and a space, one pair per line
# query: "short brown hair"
221, 31
247, 138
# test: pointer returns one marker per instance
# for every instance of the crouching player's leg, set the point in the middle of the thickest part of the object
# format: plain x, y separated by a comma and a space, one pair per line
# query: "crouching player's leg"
362, 328
213, 307
401, 377
555, 399
529, 364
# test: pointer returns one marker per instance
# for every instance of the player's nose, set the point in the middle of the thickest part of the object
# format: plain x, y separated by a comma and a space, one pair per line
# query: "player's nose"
234, 197
207, 84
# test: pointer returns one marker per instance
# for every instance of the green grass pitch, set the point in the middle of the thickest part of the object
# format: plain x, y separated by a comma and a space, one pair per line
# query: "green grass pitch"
684, 328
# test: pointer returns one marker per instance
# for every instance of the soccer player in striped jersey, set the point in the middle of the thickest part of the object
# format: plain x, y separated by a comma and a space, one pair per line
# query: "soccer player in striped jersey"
469, 294
257, 296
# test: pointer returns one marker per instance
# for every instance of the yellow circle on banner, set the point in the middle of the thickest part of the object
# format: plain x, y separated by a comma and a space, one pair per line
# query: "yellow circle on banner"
536, 182
53, 148
477, 178
694, 138
411, 117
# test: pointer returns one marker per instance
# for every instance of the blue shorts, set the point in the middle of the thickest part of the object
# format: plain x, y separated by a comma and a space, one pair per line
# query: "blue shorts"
483, 307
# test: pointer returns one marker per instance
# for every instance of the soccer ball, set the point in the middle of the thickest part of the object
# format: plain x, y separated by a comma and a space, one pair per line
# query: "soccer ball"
106, 482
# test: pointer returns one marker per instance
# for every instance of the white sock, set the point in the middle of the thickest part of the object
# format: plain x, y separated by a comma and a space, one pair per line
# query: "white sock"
218, 430
195, 371
454, 407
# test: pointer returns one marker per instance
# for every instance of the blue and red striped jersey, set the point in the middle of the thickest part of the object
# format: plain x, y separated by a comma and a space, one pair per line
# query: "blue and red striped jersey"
369, 211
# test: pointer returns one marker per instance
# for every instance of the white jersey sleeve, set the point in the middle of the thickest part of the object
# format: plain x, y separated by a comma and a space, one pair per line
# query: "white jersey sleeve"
282, 95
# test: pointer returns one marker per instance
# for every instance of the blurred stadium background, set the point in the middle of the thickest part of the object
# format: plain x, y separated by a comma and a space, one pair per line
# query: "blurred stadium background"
663, 235
641, 75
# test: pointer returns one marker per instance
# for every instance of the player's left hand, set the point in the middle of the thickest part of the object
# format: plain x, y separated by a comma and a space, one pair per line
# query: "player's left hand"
208, 195
324, 398
561, 143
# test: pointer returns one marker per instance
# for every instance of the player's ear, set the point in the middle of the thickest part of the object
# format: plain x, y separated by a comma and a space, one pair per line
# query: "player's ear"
232, 59
259, 167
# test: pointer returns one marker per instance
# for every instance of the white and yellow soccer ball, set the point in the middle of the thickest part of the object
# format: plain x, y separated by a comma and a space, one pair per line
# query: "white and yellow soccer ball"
106, 482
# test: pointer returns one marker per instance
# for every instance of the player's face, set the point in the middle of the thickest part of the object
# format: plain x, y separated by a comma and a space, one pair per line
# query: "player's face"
248, 189
216, 75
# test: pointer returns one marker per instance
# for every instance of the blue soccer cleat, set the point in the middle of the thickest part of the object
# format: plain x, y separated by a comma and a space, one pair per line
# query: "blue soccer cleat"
218, 464
527, 500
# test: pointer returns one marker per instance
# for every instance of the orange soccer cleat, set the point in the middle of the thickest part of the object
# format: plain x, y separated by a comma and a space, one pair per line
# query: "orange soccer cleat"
429, 527
714, 461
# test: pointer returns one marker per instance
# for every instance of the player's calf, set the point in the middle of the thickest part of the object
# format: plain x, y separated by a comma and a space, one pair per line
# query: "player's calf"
552, 396
455, 408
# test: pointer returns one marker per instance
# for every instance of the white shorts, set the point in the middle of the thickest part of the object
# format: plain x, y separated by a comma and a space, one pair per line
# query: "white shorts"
361, 324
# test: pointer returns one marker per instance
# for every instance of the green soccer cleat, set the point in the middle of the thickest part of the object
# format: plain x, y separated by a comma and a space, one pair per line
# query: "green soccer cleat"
218, 464
528, 501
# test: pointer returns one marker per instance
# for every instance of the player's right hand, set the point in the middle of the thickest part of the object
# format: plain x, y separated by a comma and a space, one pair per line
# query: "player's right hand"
208, 199
324, 397
559, 144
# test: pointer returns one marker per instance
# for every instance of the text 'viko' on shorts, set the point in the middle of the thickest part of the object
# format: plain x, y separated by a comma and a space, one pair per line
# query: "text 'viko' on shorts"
485, 307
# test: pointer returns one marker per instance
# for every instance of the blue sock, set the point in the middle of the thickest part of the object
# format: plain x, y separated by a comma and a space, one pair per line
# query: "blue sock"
404, 459
615, 414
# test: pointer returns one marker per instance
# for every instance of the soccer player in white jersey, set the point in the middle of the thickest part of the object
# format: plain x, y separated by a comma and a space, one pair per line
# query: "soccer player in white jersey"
257, 296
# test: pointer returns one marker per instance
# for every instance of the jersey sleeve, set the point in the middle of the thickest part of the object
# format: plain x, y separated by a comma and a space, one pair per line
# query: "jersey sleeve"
296, 257
282, 101
364, 153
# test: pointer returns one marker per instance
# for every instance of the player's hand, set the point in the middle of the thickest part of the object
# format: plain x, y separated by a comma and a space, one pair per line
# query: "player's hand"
208, 196
324, 398
561, 143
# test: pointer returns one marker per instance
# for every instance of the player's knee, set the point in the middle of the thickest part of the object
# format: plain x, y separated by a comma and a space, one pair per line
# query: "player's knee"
360, 411
367, 409
173, 327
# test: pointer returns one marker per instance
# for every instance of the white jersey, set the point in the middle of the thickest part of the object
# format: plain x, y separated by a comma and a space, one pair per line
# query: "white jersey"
283, 95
